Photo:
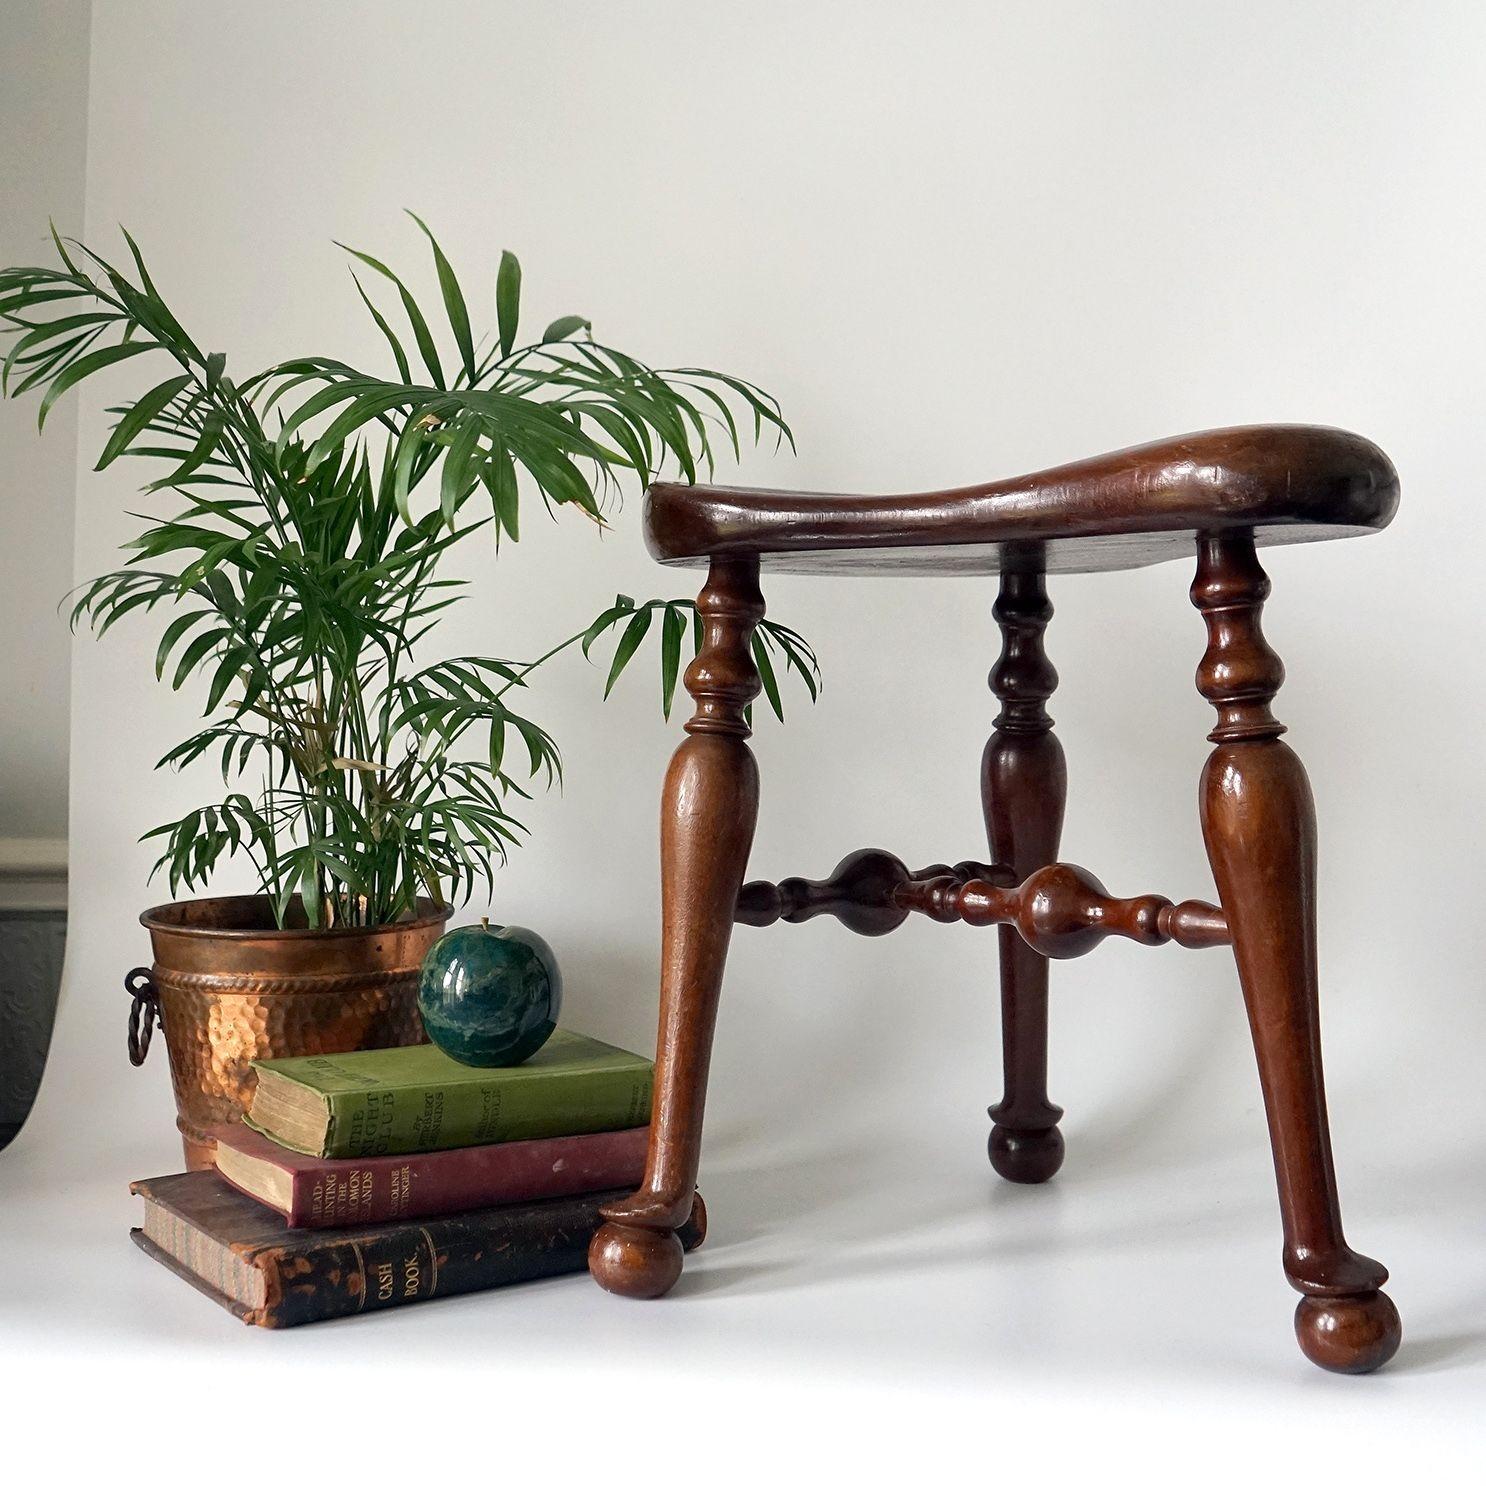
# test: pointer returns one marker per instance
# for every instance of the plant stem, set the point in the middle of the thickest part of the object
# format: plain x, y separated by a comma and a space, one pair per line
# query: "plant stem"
526, 670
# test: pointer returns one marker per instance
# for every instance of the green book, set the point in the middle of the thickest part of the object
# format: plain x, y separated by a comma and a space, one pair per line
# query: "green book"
400, 1100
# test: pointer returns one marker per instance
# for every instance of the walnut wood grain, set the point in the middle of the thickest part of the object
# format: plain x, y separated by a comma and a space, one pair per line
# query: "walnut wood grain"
862, 892
1258, 821
1061, 912
1292, 483
1217, 493
1023, 790
708, 810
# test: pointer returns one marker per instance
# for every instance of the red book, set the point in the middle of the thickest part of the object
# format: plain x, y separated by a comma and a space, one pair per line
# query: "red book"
316, 1192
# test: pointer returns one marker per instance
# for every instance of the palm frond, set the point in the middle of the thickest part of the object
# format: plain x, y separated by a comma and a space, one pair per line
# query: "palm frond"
294, 527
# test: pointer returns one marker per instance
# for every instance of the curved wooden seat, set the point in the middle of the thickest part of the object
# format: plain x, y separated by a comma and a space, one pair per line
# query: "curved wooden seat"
1288, 482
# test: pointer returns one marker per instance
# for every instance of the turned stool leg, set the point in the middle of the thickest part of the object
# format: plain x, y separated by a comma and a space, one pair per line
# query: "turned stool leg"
708, 810
1258, 821
1023, 784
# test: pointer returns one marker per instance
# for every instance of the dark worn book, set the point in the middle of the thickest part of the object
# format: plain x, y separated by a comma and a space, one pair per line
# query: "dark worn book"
397, 1100
318, 1192
248, 1259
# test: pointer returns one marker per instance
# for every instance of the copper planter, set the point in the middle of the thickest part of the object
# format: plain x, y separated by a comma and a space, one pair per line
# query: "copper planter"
230, 987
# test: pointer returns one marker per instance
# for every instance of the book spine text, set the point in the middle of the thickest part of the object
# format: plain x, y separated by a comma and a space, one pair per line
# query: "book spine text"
382, 1121
448, 1256
385, 1189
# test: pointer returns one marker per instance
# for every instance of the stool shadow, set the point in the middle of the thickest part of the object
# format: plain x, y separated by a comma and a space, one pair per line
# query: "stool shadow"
1173, 1227
1439, 1353
797, 1197
814, 1201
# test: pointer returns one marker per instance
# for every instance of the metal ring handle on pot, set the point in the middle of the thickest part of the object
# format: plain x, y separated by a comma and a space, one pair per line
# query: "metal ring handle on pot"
144, 1012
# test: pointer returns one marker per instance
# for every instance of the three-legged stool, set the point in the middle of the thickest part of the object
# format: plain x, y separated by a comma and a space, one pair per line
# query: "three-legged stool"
1214, 496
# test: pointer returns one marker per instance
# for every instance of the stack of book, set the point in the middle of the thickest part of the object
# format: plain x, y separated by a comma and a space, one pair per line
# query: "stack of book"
366, 1180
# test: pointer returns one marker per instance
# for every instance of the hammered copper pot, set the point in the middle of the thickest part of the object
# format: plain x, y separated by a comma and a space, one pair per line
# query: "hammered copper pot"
230, 987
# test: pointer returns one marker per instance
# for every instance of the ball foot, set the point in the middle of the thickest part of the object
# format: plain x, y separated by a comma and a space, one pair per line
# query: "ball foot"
1353, 1334
1026, 1155
641, 1263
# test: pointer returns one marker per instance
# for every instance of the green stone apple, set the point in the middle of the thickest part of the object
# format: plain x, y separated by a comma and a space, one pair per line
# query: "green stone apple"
490, 995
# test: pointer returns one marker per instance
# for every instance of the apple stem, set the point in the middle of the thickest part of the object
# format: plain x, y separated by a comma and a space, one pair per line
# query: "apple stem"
485, 924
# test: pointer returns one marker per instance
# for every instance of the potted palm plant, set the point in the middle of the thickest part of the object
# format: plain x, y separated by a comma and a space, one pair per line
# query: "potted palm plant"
308, 508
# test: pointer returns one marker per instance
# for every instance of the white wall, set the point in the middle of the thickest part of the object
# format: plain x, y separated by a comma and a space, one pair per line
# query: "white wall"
44, 125
44, 122
958, 241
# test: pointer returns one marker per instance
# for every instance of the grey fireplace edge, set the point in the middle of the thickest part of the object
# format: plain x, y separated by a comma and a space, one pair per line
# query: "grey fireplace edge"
33, 938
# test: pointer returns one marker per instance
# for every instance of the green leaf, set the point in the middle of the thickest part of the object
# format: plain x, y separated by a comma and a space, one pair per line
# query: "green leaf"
363, 410
408, 450
767, 676
61, 251
623, 604
173, 633
201, 451
629, 642
398, 354
312, 407
499, 475
138, 417
85, 366
49, 331
457, 480
426, 347
508, 300
192, 656
566, 325
635, 443
46, 364
309, 888
559, 479
231, 666
725, 414
541, 751
797, 652
454, 305
672, 630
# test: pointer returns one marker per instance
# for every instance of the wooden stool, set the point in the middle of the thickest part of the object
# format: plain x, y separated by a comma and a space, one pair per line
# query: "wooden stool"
1213, 495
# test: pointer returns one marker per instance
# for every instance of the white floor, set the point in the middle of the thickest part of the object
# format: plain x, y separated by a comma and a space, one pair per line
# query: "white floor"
867, 1300
959, 241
